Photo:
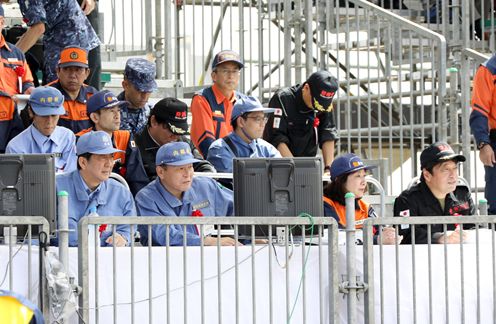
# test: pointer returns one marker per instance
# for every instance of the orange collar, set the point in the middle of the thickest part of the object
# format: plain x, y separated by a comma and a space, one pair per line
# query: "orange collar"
3, 43
219, 96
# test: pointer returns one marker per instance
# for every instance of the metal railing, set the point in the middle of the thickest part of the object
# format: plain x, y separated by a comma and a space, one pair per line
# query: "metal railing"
32, 272
431, 283
267, 283
392, 71
470, 61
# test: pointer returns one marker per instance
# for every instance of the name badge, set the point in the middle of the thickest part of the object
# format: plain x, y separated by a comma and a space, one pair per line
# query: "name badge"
201, 205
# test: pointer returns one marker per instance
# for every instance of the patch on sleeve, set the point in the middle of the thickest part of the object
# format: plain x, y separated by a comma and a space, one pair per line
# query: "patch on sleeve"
277, 121
405, 213
278, 112
132, 143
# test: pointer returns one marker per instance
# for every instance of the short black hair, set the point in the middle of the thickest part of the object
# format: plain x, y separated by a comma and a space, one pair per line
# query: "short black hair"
430, 167
87, 156
92, 123
234, 122
159, 120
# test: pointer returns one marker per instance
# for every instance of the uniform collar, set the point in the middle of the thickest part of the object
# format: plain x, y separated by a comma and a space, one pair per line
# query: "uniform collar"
239, 141
172, 200
3, 43
219, 97
81, 97
83, 192
427, 192
40, 139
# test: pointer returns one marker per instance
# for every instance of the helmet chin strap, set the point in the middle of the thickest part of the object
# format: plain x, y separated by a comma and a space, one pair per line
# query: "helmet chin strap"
246, 134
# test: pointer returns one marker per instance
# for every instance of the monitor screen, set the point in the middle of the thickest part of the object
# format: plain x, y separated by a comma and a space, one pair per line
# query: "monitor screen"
277, 187
27, 188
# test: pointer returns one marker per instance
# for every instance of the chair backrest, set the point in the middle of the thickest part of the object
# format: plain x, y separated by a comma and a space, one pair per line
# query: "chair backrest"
118, 177
461, 182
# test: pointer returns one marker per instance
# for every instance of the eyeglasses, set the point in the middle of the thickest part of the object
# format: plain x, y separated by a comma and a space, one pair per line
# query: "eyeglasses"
227, 72
259, 119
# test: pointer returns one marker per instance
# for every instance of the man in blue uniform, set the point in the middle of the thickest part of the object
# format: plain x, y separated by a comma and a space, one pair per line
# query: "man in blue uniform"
62, 23
104, 113
248, 121
45, 105
176, 193
139, 83
89, 186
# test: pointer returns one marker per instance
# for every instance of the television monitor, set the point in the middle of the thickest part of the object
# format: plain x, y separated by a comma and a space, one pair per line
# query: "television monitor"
27, 188
277, 187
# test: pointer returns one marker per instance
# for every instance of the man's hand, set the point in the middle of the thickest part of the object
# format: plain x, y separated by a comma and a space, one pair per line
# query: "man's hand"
486, 155
29, 90
119, 240
454, 237
88, 6
388, 236
224, 241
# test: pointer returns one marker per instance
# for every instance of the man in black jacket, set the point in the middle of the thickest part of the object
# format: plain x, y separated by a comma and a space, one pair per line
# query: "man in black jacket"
167, 123
303, 119
437, 194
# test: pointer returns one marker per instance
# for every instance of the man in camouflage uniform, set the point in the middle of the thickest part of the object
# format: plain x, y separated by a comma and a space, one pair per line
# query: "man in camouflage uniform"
62, 23
139, 83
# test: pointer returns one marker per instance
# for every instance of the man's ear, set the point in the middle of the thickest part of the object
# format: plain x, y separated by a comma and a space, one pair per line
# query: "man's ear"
427, 175
160, 171
30, 113
94, 117
83, 162
240, 121
153, 121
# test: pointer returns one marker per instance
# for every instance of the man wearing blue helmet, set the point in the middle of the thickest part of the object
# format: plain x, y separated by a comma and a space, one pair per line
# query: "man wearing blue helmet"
45, 105
89, 187
248, 120
176, 193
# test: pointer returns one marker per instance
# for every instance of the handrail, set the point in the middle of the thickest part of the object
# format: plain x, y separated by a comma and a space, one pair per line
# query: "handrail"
391, 17
467, 55
471, 53
441, 55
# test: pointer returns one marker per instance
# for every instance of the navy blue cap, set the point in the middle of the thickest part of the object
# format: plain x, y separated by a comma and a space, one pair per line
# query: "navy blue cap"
95, 142
102, 100
47, 101
246, 105
227, 56
323, 87
175, 153
1, 11
347, 163
141, 73
438, 152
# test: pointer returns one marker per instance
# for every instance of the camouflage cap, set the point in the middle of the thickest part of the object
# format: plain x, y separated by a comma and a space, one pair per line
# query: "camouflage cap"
141, 73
